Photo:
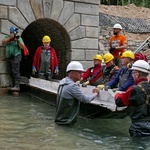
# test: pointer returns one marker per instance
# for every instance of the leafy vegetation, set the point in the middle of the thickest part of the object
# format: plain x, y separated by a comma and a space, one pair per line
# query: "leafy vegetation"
143, 3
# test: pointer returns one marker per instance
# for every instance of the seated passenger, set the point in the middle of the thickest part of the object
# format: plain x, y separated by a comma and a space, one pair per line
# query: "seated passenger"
92, 76
110, 70
124, 78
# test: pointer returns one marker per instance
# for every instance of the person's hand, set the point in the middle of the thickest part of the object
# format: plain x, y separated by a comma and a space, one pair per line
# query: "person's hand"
11, 36
112, 49
96, 90
34, 71
84, 84
56, 71
101, 86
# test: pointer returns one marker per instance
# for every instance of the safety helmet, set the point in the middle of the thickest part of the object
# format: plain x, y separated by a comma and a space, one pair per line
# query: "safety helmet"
117, 26
75, 65
129, 54
97, 56
141, 56
13, 29
141, 65
108, 57
46, 39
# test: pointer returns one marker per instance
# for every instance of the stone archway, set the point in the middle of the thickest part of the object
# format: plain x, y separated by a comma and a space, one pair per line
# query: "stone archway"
32, 37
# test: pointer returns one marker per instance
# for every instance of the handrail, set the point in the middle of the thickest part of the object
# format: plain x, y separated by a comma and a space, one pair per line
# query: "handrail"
146, 42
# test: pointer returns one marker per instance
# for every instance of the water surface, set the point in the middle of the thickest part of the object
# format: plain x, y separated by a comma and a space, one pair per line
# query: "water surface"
28, 124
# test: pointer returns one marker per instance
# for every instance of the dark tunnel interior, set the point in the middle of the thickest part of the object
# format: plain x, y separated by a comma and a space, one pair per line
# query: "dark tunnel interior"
60, 40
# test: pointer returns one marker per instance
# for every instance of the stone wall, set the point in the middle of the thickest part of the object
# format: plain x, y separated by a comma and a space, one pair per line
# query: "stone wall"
79, 18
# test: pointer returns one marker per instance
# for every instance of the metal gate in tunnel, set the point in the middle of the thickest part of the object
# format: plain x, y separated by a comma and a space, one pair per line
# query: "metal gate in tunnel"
60, 40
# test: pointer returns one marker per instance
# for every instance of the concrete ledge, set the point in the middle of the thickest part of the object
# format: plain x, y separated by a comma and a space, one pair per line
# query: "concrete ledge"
3, 91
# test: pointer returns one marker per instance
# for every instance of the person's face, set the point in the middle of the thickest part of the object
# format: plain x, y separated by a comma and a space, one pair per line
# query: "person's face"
135, 74
76, 75
125, 61
46, 44
110, 63
116, 31
97, 62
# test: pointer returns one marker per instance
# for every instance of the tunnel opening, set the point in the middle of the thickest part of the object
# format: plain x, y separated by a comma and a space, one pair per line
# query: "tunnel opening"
60, 40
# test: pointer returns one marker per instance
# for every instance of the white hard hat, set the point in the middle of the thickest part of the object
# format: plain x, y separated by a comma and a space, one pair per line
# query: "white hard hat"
141, 65
117, 26
75, 65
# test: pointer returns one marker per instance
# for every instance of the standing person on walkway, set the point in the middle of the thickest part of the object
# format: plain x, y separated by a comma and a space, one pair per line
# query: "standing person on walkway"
137, 100
14, 44
118, 44
92, 76
124, 78
69, 95
45, 61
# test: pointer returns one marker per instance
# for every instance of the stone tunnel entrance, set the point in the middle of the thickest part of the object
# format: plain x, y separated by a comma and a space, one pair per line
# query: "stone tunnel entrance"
60, 40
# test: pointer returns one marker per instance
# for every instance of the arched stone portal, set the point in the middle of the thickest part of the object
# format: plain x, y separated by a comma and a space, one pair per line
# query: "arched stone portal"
73, 26
32, 37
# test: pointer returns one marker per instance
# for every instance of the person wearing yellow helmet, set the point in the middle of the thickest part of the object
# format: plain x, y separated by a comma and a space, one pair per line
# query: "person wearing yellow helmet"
92, 76
110, 70
45, 61
124, 78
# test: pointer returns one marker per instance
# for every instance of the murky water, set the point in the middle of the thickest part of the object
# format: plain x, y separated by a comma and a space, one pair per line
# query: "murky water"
27, 124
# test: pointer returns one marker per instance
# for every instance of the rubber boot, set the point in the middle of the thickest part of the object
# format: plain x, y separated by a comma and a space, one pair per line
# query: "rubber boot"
17, 86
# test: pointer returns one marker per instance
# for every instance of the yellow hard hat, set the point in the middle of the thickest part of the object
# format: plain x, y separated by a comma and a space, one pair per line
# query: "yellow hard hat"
46, 39
97, 56
108, 57
129, 54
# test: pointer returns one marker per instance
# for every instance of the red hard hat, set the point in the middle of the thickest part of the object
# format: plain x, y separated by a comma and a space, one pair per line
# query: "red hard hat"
140, 56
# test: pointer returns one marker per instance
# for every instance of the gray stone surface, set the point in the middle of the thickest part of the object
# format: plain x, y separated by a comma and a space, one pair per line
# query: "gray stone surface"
73, 22
89, 20
101, 46
47, 8
2, 53
86, 9
3, 12
5, 80
26, 10
88, 43
77, 33
92, 32
16, 17
67, 12
56, 9
6, 26
87, 64
37, 8
8, 2
3, 67
1, 37
87, 1
77, 54
89, 54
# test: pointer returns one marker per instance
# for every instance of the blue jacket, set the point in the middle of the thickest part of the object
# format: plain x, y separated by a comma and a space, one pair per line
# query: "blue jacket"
123, 79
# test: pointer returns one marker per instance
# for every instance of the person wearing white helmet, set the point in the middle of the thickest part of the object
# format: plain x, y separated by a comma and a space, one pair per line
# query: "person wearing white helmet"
137, 100
117, 43
69, 95
45, 61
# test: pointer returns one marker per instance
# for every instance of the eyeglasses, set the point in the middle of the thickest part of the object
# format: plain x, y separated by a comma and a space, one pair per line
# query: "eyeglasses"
134, 72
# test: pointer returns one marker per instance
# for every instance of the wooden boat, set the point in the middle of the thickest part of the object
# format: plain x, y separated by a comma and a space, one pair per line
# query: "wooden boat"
102, 107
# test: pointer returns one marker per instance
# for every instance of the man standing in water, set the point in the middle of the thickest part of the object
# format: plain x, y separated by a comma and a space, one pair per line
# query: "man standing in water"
137, 100
69, 95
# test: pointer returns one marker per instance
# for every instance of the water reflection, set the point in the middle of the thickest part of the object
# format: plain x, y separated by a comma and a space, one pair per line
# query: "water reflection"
29, 125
